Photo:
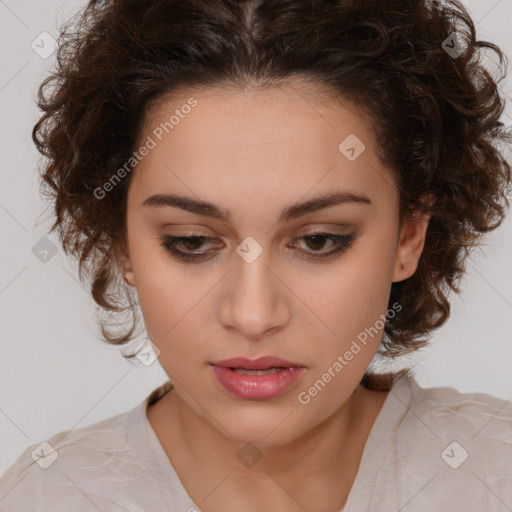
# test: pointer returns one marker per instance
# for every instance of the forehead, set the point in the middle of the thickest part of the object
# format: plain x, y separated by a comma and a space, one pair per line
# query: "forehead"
258, 142
287, 114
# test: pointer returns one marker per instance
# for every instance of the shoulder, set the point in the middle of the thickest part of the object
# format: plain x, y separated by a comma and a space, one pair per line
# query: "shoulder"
477, 416
456, 443
66, 469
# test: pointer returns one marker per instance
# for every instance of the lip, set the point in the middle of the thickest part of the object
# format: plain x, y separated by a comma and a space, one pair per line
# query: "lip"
261, 363
256, 387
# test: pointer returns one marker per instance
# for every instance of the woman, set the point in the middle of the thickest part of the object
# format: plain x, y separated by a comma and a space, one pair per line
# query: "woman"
289, 191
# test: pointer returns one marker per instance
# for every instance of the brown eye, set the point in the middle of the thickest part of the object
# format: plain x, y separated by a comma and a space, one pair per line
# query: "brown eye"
190, 243
317, 241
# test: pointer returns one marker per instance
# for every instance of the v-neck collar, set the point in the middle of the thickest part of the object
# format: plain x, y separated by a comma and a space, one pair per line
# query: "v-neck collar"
151, 453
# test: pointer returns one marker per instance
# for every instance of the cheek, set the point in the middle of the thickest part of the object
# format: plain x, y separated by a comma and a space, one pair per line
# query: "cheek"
348, 302
165, 304
162, 289
348, 293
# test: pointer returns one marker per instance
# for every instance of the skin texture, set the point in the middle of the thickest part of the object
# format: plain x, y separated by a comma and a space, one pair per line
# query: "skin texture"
256, 153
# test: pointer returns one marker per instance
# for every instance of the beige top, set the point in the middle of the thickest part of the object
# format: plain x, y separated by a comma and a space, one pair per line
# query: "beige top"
430, 450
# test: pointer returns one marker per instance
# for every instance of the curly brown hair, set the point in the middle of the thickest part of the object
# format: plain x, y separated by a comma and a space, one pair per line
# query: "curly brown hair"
414, 67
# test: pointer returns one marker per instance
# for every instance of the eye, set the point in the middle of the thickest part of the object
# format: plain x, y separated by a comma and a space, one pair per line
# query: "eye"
192, 244
317, 239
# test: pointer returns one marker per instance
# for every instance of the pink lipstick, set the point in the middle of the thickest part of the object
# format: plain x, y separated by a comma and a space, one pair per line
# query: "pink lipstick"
257, 379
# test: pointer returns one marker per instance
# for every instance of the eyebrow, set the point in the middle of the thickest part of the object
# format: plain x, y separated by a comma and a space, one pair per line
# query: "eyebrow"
293, 211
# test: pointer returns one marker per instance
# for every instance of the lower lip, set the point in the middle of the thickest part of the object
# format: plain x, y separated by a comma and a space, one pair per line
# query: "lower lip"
256, 387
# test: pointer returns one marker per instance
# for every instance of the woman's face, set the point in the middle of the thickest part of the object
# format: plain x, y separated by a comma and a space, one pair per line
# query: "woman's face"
264, 285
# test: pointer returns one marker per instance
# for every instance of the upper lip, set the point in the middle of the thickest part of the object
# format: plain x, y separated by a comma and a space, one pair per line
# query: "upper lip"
262, 363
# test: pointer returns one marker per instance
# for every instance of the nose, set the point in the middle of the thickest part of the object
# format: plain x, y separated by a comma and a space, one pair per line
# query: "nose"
255, 300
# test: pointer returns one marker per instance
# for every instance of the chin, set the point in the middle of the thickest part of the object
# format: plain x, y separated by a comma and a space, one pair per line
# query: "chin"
263, 430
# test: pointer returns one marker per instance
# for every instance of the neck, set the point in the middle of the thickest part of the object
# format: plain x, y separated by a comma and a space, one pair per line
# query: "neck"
326, 457
334, 445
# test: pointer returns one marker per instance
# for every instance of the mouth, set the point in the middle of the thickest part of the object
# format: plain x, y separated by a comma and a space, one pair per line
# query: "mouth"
266, 371
265, 363
257, 379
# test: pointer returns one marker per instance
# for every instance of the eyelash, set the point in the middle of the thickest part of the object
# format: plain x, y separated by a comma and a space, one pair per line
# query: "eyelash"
343, 242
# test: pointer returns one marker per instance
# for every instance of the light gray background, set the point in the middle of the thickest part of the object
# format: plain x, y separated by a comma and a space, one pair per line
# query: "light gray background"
55, 372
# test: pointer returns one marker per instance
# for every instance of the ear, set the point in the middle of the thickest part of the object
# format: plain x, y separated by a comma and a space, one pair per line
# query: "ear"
410, 246
126, 264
